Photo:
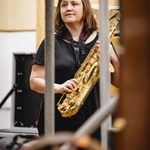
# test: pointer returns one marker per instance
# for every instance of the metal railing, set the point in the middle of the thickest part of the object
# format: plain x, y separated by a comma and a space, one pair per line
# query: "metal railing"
104, 70
94, 121
50, 71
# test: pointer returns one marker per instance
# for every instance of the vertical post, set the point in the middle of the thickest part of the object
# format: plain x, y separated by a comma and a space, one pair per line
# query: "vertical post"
104, 63
134, 103
49, 65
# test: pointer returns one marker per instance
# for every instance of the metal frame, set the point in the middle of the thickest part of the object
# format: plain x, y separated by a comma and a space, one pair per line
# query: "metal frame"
104, 70
49, 64
94, 121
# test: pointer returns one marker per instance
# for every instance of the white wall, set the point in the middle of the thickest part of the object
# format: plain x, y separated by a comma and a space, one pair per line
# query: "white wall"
12, 42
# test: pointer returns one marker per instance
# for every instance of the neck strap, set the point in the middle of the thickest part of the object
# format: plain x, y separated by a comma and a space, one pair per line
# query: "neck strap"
78, 47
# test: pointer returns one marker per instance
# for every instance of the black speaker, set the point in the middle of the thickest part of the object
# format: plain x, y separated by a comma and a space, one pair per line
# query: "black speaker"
27, 103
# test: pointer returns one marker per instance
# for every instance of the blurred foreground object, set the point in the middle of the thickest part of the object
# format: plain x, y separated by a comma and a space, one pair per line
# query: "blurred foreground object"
54, 142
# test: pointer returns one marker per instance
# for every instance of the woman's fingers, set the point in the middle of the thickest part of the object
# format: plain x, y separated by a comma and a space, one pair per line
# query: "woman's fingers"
67, 90
70, 85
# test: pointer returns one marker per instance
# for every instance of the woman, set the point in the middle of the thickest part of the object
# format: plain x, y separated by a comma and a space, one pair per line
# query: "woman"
76, 33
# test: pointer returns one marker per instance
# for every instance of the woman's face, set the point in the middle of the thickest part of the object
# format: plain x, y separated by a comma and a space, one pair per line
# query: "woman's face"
71, 11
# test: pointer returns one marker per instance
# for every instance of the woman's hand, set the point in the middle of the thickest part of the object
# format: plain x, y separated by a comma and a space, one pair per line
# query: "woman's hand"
68, 86
115, 77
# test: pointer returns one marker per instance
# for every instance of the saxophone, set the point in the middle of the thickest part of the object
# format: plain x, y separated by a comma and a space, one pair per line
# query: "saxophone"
87, 75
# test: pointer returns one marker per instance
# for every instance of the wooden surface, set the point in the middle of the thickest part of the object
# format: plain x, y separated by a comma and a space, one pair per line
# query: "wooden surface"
134, 105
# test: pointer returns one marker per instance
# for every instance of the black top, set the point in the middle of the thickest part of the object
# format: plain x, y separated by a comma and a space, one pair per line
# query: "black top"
65, 68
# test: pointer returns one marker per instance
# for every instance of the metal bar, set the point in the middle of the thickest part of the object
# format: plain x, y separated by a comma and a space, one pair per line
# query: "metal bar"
94, 121
104, 70
49, 65
99, 116
7, 96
